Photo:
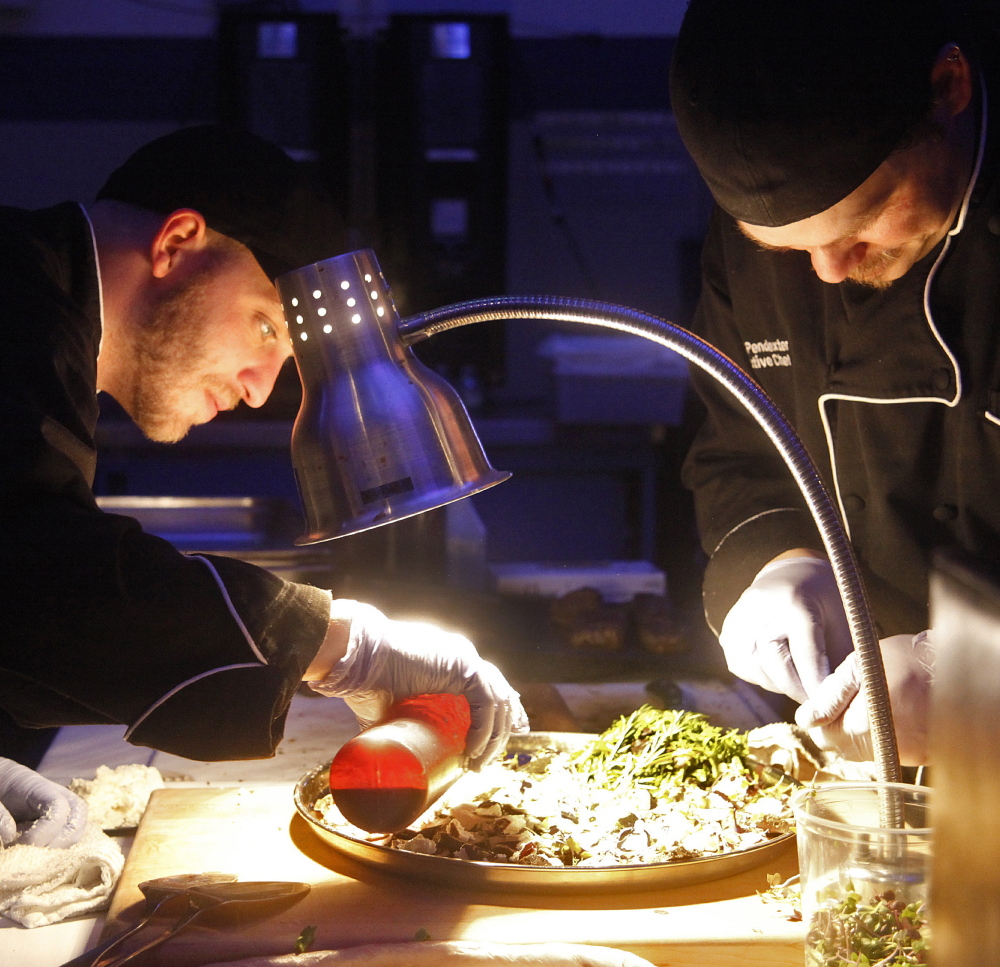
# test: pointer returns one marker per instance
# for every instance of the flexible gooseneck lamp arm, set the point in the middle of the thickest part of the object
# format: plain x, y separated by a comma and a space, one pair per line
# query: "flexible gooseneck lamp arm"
766, 413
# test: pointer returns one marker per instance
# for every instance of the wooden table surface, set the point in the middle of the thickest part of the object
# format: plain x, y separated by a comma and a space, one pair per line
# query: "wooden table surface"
254, 832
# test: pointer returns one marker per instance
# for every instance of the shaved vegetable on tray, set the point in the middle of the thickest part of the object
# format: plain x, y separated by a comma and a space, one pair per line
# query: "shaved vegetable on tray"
656, 786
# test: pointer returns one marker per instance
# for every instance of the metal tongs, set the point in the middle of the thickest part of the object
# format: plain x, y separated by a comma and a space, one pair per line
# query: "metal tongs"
173, 902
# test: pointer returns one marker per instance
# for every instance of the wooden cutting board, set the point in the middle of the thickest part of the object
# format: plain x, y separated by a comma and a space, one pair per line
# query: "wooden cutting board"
254, 832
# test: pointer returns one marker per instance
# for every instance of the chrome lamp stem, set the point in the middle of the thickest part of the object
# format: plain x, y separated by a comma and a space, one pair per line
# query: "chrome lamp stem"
782, 435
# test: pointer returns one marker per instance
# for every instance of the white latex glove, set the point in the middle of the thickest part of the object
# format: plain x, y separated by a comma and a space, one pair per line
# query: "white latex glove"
837, 714
387, 661
788, 629
57, 816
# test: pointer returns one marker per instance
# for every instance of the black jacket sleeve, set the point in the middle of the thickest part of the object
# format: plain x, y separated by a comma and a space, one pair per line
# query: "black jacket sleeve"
748, 506
104, 623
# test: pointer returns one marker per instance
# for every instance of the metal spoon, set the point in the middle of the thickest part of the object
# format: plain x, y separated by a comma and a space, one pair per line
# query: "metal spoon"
157, 893
243, 899
163, 886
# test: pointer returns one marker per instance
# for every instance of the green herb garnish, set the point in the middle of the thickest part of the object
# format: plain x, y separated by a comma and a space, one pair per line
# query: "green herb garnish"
305, 940
421, 934
660, 750
886, 932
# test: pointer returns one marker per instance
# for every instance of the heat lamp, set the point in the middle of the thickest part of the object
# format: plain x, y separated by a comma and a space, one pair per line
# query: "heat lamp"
380, 437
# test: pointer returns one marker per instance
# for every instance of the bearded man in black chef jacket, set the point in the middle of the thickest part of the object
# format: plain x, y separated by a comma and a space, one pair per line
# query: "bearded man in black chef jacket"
852, 265
161, 294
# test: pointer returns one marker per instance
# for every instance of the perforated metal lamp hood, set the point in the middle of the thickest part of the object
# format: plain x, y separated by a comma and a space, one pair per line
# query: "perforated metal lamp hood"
379, 436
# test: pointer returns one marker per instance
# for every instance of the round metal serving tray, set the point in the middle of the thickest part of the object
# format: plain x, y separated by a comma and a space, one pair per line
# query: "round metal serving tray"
511, 878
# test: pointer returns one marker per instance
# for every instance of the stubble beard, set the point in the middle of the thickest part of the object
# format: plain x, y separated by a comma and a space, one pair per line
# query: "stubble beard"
169, 352
872, 271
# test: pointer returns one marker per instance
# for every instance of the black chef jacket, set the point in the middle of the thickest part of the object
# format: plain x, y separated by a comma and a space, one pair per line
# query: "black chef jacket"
895, 394
101, 622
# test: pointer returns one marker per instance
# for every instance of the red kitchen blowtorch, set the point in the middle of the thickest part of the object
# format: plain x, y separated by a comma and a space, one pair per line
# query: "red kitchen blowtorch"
386, 776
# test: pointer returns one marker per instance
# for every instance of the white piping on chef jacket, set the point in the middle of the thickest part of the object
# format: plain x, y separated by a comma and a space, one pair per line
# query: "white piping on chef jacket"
152, 708
749, 520
232, 609
246, 634
960, 222
100, 283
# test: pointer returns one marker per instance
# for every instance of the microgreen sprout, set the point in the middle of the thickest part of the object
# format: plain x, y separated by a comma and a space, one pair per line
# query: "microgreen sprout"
883, 932
305, 940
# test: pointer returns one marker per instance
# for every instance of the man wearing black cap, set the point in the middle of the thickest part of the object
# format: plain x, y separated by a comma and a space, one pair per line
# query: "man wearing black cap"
853, 267
161, 294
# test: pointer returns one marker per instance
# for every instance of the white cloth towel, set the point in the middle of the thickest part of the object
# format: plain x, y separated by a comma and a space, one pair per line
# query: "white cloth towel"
41, 885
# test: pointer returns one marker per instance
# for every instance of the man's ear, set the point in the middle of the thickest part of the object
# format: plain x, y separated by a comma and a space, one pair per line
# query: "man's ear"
182, 231
951, 82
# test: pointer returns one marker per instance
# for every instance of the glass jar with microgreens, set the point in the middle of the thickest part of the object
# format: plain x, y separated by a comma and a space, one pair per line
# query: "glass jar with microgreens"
864, 884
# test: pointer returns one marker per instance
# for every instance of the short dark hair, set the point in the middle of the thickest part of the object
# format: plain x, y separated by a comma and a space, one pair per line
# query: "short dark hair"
787, 106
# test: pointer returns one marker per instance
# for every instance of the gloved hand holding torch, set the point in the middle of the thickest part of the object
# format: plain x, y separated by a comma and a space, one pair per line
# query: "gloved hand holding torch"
386, 661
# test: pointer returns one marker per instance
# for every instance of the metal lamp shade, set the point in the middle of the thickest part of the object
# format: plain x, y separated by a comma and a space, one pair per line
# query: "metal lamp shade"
379, 436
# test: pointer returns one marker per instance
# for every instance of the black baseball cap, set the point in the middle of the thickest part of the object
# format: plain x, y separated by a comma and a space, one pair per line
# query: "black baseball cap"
787, 106
244, 186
